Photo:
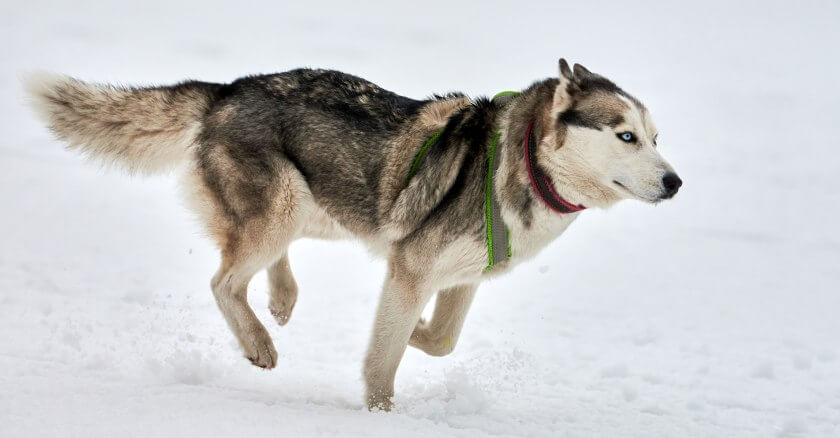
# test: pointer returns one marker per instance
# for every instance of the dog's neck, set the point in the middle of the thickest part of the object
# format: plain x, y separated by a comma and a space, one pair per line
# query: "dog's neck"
530, 209
540, 182
532, 223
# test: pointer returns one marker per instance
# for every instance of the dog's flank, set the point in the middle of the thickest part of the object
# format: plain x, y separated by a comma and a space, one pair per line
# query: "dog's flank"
269, 159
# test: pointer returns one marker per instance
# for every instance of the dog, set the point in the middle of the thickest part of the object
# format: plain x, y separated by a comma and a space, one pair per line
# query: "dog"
450, 190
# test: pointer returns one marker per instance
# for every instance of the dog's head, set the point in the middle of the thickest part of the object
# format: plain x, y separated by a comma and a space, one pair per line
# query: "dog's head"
603, 142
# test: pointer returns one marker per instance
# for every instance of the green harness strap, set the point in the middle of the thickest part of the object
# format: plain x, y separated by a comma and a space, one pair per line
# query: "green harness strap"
500, 234
422, 153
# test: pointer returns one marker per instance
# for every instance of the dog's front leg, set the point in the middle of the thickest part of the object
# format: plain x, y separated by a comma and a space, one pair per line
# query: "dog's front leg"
403, 298
438, 336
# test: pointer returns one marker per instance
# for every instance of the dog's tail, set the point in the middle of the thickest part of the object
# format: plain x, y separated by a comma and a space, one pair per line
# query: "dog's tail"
142, 130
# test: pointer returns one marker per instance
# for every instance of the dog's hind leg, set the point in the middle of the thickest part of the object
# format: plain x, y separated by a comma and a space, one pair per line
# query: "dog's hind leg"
253, 248
438, 336
230, 288
253, 218
283, 290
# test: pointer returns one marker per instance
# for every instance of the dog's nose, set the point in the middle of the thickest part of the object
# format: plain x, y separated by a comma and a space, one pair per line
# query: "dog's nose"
672, 184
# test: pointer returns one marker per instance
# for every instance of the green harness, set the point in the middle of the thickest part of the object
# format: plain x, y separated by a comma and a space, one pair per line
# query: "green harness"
498, 236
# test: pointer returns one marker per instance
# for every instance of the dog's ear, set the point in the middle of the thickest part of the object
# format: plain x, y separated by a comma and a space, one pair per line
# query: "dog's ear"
565, 71
564, 90
581, 75
581, 72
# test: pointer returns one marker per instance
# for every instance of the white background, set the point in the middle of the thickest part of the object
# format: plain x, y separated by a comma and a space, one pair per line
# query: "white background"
715, 314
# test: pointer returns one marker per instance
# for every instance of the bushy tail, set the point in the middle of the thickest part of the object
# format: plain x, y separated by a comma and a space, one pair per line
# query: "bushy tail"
142, 130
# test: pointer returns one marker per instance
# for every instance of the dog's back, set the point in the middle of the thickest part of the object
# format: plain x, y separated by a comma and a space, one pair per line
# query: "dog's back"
335, 128
350, 139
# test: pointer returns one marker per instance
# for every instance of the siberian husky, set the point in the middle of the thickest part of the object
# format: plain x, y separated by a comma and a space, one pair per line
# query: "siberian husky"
451, 190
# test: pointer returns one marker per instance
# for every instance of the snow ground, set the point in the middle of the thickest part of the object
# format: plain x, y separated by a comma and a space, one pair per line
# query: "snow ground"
715, 314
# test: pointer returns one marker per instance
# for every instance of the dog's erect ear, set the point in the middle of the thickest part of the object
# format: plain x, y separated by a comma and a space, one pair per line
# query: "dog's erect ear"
581, 74
565, 71
581, 71
563, 92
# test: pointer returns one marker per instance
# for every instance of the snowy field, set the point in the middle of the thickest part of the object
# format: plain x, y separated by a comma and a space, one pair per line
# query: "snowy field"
716, 314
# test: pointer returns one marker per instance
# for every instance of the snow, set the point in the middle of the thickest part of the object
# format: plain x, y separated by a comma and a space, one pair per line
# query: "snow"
715, 314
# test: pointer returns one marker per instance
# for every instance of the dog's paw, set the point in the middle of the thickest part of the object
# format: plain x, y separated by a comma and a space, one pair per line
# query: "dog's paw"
260, 350
281, 309
420, 336
421, 329
379, 403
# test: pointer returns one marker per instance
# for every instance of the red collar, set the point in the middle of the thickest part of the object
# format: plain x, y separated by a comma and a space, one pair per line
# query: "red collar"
541, 183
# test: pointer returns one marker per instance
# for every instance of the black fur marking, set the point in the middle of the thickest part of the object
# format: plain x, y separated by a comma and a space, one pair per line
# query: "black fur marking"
589, 119
592, 83
461, 210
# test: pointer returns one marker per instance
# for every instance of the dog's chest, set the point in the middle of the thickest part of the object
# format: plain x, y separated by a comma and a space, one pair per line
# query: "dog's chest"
527, 241
466, 260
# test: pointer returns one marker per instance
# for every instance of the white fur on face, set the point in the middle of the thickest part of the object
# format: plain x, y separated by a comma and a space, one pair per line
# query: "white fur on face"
637, 169
603, 169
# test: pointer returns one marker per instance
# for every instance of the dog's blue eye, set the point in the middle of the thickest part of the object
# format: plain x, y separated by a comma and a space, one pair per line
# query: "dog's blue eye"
627, 137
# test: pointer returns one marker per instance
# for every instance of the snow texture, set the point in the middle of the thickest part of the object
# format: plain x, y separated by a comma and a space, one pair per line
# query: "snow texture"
715, 314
